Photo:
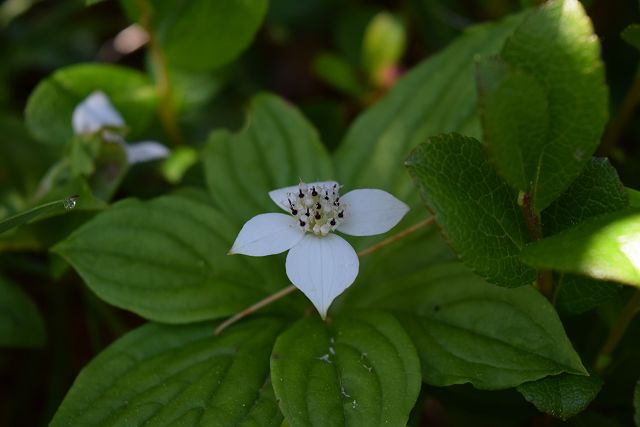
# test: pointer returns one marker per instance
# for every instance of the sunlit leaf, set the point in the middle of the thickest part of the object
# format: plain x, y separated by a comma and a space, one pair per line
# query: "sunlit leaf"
596, 191
515, 120
605, 247
545, 106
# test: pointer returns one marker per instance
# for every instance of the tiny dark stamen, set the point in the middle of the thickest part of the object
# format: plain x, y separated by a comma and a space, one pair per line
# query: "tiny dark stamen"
317, 216
294, 211
333, 221
313, 191
300, 194
326, 197
318, 205
307, 213
302, 223
340, 214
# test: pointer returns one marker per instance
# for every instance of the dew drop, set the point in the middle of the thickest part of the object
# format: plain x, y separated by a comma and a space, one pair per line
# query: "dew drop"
70, 202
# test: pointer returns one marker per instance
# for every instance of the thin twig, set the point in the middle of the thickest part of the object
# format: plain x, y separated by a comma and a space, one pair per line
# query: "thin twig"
397, 236
289, 289
617, 331
166, 110
619, 123
253, 308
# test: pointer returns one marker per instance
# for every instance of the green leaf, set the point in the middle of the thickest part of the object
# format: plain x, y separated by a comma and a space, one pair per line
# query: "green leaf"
336, 72
47, 208
82, 154
437, 96
200, 35
178, 375
20, 322
562, 396
79, 186
20, 169
631, 35
381, 270
178, 163
606, 247
556, 45
357, 370
515, 120
634, 197
277, 148
577, 294
165, 259
596, 191
51, 104
475, 208
467, 331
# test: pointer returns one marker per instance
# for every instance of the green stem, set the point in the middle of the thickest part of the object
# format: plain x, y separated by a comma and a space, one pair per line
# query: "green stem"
166, 110
617, 331
619, 123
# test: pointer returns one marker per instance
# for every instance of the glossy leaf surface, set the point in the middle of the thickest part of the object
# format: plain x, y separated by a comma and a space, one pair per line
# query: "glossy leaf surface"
165, 375
358, 370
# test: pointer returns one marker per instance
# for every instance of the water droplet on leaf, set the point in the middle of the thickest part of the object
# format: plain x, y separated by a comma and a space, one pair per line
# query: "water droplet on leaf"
70, 202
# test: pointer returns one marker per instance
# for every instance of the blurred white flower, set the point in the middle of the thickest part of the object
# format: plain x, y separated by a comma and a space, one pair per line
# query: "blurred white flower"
96, 115
319, 263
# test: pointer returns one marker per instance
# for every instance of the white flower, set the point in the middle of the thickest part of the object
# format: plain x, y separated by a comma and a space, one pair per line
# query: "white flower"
321, 264
96, 114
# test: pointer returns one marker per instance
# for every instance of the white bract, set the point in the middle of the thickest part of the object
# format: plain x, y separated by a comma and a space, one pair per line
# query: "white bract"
96, 115
321, 264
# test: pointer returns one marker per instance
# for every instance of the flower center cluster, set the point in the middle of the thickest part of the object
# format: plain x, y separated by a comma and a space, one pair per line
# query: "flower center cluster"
317, 208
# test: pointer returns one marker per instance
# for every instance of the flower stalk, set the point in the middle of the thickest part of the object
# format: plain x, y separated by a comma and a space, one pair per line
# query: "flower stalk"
166, 110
